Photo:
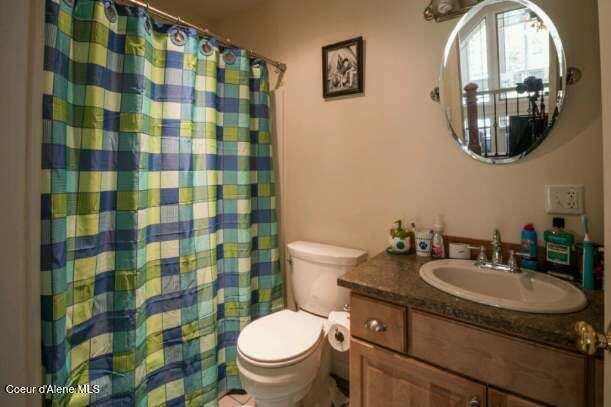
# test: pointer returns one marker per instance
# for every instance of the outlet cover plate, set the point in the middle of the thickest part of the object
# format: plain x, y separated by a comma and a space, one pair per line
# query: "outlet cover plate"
564, 199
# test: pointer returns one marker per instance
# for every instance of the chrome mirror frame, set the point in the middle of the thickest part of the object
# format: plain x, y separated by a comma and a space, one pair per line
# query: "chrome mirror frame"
553, 32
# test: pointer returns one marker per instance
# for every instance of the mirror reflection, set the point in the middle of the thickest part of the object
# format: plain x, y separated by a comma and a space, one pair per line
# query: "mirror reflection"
503, 80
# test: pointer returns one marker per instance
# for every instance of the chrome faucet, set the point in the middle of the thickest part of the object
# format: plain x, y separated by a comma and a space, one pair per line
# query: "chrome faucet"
497, 257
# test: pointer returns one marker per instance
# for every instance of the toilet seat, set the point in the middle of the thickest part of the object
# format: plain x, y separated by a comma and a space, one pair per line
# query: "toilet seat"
281, 339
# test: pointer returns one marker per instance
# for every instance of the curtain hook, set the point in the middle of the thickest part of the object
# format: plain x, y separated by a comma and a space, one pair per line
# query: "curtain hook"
148, 6
179, 21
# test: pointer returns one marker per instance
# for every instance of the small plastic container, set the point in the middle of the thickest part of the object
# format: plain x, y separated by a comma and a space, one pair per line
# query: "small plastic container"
423, 242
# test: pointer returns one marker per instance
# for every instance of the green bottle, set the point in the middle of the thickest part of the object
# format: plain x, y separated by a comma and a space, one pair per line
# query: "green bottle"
559, 245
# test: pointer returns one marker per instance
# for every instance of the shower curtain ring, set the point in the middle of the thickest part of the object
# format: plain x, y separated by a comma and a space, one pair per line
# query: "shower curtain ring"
148, 6
178, 21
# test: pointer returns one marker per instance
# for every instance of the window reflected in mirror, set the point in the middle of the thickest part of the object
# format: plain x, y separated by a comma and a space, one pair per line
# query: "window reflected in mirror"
503, 80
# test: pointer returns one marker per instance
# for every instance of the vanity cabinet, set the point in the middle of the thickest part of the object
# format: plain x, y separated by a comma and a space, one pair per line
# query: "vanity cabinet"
401, 356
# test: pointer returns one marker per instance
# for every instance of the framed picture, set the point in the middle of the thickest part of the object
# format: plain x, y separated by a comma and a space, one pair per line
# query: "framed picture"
342, 68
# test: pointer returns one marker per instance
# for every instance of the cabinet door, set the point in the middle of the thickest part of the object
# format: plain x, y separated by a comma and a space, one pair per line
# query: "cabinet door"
381, 378
497, 398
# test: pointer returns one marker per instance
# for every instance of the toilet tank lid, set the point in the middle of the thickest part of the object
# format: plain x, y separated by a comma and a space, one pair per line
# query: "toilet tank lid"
326, 254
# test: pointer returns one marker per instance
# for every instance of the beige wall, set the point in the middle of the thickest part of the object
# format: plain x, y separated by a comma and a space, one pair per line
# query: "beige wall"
354, 165
605, 54
20, 115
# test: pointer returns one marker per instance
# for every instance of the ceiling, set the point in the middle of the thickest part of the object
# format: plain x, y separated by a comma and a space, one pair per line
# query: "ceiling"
205, 11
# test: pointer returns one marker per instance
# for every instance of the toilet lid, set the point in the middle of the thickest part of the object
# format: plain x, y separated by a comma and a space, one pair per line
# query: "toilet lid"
279, 337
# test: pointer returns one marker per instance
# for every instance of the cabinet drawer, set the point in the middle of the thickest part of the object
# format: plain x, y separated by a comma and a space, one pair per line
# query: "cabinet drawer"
536, 371
378, 322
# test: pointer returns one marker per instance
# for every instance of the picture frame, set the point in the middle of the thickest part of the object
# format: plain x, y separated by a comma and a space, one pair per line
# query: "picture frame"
342, 68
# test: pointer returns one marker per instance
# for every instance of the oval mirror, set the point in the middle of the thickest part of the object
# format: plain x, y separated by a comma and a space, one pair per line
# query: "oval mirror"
503, 80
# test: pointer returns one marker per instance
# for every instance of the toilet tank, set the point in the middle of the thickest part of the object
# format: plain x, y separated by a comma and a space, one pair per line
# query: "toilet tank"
314, 272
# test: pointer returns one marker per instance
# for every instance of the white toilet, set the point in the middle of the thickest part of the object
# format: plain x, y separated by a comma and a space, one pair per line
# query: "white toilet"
281, 355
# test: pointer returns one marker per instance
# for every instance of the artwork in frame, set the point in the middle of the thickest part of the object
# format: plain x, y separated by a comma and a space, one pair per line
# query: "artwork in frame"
342, 68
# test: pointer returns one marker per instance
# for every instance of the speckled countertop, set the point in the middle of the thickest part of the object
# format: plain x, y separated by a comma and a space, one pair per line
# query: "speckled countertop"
395, 279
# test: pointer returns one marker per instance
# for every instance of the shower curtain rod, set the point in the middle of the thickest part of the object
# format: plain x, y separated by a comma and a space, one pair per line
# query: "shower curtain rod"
223, 41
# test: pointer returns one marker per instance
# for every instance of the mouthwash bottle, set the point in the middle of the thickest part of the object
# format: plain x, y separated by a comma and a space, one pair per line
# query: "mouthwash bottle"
559, 245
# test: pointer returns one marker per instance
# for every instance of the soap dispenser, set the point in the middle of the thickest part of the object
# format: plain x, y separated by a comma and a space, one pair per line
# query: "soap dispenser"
438, 249
399, 240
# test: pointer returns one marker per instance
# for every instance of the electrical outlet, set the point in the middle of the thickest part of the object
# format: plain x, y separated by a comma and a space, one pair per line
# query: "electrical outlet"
564, 199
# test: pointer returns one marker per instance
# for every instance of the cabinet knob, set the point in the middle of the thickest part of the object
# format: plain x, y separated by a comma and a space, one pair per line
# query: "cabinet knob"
474, 402
589, 341
375, 325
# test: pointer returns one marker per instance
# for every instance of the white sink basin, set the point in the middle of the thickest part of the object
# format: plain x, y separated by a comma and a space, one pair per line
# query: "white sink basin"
527, 291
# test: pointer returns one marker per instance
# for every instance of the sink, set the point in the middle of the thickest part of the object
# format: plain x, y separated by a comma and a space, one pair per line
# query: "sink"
527, 291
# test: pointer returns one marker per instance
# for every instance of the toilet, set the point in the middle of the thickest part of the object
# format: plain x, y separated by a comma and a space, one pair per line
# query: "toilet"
285, 358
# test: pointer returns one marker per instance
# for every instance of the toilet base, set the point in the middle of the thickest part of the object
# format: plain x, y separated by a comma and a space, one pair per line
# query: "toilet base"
314, 393
319, 394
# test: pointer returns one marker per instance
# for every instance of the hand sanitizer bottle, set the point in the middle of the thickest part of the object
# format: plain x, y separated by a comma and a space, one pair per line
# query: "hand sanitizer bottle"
438, 249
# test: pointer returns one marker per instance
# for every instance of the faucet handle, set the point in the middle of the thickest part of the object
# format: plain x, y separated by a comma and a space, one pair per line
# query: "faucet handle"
513, 262
481, 257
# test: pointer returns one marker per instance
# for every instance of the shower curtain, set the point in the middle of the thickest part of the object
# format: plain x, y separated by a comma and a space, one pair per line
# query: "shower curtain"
159, 231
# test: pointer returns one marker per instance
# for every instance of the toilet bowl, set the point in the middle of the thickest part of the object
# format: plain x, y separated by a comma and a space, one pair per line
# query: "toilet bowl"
284, 359
279, 357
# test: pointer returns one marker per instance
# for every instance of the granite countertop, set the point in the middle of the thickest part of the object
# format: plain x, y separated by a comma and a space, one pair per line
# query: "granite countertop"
395, 278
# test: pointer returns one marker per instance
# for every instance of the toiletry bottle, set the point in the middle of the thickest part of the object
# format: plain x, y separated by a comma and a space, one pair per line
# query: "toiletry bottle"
438, 249
559, 250
587, 267
529, 247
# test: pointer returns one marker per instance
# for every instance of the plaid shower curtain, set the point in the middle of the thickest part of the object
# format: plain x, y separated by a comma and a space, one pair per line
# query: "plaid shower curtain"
159, 225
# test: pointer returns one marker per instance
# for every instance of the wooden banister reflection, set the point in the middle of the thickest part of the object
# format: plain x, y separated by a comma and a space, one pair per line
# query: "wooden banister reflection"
471, 96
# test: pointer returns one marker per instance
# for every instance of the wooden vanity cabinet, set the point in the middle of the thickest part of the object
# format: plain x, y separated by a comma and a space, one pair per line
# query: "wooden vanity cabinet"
416, 359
